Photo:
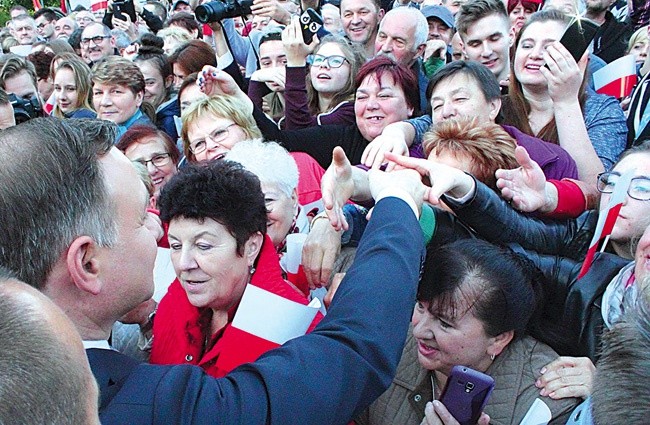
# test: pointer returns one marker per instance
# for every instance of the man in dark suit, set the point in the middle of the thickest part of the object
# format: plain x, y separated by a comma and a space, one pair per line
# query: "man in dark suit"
76, 228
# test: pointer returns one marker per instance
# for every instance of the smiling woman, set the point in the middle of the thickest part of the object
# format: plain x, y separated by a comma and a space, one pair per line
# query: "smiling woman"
462, 285
72, 89
118, 92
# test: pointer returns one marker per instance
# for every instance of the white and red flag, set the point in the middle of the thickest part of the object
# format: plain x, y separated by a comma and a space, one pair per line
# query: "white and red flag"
607, 218
617, 78
264, 321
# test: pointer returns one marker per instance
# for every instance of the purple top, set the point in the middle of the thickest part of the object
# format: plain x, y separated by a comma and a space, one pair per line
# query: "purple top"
552, 159
296, 112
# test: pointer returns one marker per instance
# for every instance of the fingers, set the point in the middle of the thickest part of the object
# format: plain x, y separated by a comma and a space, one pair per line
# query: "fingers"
442, 412
420, 165
523, 158
566, 377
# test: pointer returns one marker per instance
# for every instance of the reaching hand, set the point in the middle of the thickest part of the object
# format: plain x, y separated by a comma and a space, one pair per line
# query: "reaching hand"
373, 154
404, 179
524, 186
273, 77
319, 253
214, 81
444, 179
337, 186
567, 377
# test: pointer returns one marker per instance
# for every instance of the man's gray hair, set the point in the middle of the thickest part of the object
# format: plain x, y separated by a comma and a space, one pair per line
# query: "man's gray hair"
410, 14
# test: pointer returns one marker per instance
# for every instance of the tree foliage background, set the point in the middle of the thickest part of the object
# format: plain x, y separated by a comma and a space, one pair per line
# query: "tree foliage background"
5, 5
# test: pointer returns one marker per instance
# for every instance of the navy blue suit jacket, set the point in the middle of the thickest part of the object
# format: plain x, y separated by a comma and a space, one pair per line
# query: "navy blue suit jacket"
325, 377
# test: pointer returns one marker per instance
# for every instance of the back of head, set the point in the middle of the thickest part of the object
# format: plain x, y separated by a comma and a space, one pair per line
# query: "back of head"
269, 161
474, 10
621, 386
187, 21
39, 381
486, 146
51, 191
220, 190
193, 56
488, 278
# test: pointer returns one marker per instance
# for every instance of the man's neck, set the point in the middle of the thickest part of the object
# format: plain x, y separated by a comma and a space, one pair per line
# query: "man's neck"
598, 17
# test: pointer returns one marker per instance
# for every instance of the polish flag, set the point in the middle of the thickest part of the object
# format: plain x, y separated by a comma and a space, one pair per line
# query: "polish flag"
264, 321
96, 6
607, 218
617, 78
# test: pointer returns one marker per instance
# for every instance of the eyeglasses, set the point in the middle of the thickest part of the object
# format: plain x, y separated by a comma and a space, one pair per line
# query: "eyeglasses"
331, 61
97, 39
639, 186
217, 137
158, 161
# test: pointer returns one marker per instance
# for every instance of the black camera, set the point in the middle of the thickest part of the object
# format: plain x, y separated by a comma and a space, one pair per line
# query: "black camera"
25, 110
218, 10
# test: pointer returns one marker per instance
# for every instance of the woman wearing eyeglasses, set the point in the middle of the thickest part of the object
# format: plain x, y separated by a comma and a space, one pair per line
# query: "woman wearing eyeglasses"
213, 125
324, 93
155, 150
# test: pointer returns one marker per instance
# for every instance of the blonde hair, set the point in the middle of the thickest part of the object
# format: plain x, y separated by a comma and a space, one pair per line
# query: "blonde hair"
220, 106
487, 145
82, 81
639, 36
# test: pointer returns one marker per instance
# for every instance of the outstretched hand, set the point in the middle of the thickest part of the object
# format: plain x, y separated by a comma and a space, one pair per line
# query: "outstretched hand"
214, 82
337, 186
524, 186
444, 179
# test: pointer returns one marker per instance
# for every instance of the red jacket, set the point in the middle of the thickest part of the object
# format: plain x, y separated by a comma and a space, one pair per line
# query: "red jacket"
178, 328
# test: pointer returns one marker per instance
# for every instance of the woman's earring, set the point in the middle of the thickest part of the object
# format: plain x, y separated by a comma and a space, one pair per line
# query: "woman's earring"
492, 356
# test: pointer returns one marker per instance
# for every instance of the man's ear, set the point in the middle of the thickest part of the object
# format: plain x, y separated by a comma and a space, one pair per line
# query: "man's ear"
495, 107
252, 247
83, 264
419, 52
381, 14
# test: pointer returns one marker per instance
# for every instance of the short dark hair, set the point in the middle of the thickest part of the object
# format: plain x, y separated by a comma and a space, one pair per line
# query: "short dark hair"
193, 56
42, 61
271, 35
35, 361
221, 190
159, 10
622, 381
481, 73
473, 10
49, 14
492, 279
12, 65
185, 20
4, 98
136, 133
402, 76
52, 190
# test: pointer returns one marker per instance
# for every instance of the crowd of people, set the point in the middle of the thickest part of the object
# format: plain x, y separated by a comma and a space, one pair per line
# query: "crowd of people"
439, 179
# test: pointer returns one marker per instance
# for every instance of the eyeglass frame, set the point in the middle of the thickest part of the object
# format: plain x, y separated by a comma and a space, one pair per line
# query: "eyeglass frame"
164, 156
212, 139
326, 59
86, 41
607, 173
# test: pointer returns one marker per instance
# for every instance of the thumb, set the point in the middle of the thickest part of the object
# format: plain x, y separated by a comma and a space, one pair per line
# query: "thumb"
338, 156
522, 157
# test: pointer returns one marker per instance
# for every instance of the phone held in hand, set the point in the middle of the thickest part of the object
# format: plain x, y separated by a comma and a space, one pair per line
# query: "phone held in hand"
466, 394
310, 23
124, 7
578, 36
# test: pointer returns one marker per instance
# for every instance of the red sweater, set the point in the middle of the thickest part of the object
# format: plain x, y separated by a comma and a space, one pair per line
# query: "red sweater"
179, 326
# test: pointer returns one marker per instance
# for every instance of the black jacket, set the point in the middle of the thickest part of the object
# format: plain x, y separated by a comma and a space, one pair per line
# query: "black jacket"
570, 320
611, 39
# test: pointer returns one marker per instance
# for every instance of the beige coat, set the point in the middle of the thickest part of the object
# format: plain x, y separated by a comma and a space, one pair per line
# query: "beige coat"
514, 371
